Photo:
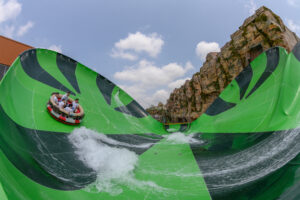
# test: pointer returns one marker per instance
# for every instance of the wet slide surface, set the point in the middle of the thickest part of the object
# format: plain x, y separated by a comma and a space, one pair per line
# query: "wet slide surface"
246, 145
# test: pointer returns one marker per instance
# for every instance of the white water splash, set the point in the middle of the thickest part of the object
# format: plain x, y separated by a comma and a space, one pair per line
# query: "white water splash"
114, 166
181, 138
171, 130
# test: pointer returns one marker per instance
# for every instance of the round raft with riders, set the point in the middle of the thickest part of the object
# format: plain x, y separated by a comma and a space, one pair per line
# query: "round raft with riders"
65, 109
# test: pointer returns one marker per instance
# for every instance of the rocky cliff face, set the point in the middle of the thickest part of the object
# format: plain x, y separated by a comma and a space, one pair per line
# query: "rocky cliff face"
258, 33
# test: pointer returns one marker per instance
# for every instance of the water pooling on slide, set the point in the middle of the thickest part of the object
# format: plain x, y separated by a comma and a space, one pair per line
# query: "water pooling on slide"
244, 147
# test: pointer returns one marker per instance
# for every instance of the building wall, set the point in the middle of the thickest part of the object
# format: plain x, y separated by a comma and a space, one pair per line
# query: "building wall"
9, 51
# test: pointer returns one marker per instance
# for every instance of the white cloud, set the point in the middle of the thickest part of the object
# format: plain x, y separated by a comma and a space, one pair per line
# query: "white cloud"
138, 43
251, 6
159, 96
9, 10
203, 48
144, 97
56, 48
149, 76
124, 55
293, 26
24, 29
188, 66
150, 84
177, 83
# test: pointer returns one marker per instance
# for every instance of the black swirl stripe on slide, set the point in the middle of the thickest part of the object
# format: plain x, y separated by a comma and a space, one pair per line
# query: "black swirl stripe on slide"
230, 172
34, 70
219, 106
106, 87
133, 109
243, 80
67, 66
296, 51
272, 63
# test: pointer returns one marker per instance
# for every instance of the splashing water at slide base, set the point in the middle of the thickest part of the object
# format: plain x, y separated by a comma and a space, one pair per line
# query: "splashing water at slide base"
246, 145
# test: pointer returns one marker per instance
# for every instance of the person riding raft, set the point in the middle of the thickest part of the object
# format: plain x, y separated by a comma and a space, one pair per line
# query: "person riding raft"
66, 96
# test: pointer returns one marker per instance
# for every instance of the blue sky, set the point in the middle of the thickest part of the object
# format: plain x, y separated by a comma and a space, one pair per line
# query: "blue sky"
146, 47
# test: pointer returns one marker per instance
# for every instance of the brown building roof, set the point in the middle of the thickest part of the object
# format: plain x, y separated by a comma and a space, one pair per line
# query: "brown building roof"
10, 49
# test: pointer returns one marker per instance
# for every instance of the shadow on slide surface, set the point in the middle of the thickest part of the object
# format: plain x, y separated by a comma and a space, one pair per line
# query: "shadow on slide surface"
246, 145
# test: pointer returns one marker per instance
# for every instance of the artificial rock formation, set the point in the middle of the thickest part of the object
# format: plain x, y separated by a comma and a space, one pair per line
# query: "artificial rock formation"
258, 33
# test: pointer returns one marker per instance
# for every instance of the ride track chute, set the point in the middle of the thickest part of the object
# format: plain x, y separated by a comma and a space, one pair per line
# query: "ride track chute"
245, 146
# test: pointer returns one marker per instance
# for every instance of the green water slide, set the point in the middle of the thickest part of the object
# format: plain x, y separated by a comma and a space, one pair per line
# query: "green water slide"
246, 145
